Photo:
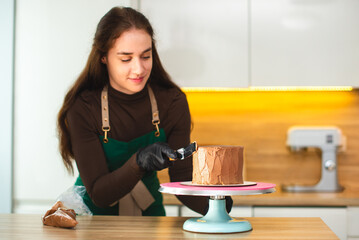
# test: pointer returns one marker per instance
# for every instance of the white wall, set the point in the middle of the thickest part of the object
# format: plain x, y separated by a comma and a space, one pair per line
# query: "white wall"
53, 40
6, 102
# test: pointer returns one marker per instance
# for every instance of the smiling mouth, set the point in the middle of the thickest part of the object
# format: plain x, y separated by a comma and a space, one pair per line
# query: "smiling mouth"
139, 79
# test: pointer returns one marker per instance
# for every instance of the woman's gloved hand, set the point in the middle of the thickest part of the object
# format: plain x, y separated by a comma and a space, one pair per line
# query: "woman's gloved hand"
155, 156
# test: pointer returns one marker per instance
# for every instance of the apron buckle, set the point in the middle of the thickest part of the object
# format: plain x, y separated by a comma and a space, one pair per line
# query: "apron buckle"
105, 130
157, 133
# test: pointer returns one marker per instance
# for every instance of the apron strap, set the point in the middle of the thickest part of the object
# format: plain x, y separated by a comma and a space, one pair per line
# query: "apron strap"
105, 113
106, 118
155, 113
140, 197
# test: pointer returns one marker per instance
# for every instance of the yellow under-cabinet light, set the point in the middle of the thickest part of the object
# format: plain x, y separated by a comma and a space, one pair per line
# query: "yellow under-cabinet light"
259, 89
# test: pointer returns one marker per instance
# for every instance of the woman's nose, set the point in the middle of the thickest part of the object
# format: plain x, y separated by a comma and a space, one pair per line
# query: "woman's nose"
137, 66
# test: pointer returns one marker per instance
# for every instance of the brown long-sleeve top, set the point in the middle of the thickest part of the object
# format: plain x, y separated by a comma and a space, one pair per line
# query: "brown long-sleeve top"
130, 117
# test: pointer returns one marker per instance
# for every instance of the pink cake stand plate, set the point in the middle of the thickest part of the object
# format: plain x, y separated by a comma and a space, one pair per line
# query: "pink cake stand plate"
217, 219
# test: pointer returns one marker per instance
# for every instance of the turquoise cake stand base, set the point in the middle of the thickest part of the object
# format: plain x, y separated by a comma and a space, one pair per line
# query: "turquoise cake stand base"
217, 219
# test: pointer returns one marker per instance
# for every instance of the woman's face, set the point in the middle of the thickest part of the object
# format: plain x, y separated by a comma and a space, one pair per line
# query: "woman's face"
129, 61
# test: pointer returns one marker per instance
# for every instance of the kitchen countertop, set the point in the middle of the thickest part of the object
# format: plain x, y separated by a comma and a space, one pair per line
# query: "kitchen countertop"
22, 226
280, 198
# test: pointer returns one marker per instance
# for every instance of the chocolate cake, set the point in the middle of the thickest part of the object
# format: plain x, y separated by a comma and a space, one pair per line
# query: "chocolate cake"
218, 165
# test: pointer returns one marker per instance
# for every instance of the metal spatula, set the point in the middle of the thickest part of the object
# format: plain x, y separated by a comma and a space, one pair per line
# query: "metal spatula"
186, 152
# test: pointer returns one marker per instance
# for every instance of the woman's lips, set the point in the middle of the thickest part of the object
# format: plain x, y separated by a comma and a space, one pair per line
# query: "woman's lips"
137, 80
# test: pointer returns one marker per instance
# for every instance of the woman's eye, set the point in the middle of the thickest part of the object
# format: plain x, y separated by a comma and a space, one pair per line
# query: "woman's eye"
146, 57
126, 60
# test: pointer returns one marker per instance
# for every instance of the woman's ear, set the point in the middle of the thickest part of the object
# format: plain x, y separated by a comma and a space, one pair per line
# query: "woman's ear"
104, 60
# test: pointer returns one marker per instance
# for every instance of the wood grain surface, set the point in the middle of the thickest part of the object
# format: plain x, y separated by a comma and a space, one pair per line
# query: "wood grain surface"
16, 226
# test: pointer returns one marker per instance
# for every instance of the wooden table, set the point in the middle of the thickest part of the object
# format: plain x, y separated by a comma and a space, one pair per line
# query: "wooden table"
21, 226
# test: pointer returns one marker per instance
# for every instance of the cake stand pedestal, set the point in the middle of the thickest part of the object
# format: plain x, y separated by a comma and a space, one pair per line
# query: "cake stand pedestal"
217, 219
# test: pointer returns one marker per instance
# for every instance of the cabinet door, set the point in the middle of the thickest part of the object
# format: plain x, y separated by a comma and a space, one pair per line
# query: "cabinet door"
237, 211
353, 222
304, 43
202, 43
334, 217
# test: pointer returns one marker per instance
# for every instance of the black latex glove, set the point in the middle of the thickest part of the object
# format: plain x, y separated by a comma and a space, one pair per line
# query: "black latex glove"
229, 203
155, 157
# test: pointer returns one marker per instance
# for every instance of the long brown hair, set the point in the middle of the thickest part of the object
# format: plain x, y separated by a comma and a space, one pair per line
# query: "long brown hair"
95, 76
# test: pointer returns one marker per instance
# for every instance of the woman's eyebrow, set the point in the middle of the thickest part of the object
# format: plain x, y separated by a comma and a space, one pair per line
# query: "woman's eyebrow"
147, 50
130, 53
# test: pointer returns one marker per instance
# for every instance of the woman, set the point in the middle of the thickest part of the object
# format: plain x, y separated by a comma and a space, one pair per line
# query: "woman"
122, 119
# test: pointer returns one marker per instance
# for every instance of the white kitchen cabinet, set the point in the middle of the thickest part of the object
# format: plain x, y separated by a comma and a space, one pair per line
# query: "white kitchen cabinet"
202, 43
334, 217
237, 211
172, 210
183, 211
212, 43
304, 43
353, 222
241, 211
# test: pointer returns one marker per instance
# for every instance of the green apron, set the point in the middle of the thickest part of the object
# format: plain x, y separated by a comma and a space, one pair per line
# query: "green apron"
117, 153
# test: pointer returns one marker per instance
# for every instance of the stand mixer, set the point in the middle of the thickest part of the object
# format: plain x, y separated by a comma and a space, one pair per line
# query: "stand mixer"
328, 140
